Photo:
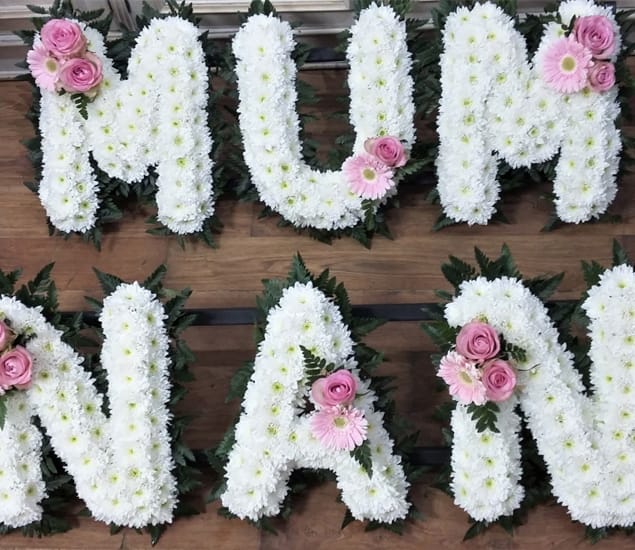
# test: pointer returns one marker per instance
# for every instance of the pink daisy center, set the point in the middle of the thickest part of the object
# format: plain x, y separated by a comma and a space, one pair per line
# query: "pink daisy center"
340, 422
568, 64
465, 377
51, 65
369, 174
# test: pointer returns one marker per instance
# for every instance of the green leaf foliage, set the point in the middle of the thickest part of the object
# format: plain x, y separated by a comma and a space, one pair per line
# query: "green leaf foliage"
456, 271
315, 367
484, 416
620, 257
363, 455
591, 271
517, 354
3, 410
108, 282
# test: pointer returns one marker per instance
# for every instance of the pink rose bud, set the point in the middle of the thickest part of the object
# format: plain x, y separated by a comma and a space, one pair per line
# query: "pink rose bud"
596, 33
335, 389
602, 76
499, 379
388, 149
478, 341
63, 38
16, 368
81, 74
6, 336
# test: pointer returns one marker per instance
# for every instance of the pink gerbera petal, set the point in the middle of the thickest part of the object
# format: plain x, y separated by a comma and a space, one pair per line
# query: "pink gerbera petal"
463, 378
44, 67
565, 65
339, 428
368, 176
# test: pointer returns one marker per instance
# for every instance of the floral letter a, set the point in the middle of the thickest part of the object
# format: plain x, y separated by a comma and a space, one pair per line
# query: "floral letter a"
340, 427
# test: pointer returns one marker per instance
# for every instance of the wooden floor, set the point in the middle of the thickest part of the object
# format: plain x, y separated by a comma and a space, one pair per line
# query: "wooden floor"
405, 270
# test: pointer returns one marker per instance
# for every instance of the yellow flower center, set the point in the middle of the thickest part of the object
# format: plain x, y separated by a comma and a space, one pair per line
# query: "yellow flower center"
568, 64
51, 65
339, 422
369, 174
465, 377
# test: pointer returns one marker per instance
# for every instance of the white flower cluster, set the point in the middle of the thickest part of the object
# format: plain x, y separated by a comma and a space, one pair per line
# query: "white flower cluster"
486, 465
68, 188
381, 105
122, 464
587, 443
157, 117
21, 484
273, 438
494, 105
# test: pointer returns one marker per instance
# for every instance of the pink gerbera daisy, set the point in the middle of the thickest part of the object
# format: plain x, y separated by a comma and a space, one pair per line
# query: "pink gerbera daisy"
339, 428
565, 65
463, 377
44, 67
368, 176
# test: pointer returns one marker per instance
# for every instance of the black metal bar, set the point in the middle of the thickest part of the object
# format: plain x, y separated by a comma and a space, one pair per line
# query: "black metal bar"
430, 456
247, 315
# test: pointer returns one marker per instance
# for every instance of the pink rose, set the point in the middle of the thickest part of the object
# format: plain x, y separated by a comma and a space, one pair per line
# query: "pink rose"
499, 379
81, 75
6, 336
596, 33
15, 368
602, 76
388, 149
63, 38
478, 341
335, 389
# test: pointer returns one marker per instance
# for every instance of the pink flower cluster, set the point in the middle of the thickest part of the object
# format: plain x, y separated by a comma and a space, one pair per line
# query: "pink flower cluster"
16, 363
581, 59
370, 174
475, 372
337, 424
61, 62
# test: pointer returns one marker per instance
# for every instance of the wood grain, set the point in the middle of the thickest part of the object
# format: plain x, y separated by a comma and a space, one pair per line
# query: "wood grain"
403, 270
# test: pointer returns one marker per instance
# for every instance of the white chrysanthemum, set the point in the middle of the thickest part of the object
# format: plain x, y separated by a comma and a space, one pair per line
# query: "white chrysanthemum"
381, 104
586, 443
272, 440
121, 465
494, 105
158, 116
